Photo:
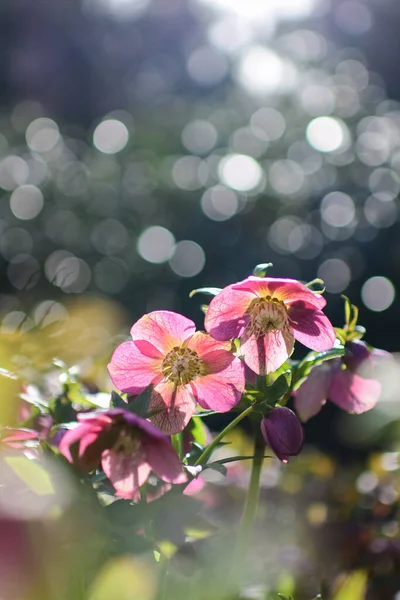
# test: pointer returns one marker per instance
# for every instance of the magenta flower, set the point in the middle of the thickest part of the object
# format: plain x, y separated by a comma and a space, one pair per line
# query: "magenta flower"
283, 432
184, 366
268, 314
348, 382
127, 447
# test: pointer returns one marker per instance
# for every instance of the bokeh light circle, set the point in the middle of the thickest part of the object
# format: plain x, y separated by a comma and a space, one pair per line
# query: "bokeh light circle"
378, 293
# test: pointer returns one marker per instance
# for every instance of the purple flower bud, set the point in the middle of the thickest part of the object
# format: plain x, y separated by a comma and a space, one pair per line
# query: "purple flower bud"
360, 360
283, 432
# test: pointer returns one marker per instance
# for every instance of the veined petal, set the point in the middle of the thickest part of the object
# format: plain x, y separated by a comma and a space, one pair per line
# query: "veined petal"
310, 397
163, 460
286, 290
132, 371
352, 393
127, 472
163, 329
176, 406
268, 352
214, 355
311, 327
221, 390
225, 318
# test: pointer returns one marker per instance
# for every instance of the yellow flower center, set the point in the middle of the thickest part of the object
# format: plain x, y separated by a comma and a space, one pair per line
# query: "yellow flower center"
267, 314
181, 365
128, 441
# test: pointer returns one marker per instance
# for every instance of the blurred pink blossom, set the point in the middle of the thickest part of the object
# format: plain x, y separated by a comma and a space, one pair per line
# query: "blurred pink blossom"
127, 447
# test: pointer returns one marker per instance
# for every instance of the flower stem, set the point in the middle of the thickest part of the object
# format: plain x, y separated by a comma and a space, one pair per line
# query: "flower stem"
250, 508
207, 452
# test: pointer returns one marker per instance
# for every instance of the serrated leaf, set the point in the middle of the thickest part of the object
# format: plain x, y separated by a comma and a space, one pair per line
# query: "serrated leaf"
212, 291
261, 269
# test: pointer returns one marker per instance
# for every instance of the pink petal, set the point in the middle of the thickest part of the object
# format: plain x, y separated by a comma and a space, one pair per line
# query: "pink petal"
176, 404
163, 460
286, 290
311, 327
195, 486
313, 392
222, 389
268, 352
132, 371
71, 437
127, 472
225, 318
164, 329
352, 393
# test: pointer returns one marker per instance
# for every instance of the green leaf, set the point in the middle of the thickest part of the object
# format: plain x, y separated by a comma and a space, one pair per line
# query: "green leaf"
206, 413
212, 291
261, 269
32, 474
140, 405
354, 587
198, 431
116, 401
314, 358
279, 388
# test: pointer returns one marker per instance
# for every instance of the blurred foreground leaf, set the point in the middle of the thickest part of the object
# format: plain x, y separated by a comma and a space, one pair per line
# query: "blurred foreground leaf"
354, 587
124, 578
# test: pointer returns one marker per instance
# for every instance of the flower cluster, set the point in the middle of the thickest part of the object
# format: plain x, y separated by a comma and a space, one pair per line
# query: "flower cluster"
243, 358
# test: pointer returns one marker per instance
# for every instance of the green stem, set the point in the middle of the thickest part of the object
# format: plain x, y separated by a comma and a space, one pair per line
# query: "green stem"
177, 442
207, 452
251, 504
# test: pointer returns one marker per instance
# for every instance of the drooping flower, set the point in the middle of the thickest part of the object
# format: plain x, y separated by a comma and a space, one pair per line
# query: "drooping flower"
268, 314
283, 432
348, 382
185, 368
127, 447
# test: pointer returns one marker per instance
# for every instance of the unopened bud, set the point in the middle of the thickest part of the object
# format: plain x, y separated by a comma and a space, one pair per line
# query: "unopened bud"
283, 432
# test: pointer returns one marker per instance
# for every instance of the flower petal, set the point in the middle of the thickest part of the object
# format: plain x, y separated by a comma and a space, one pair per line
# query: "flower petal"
311, 327
222, 389
352, 393
268, 352
163, 460
225, 318
127, 472
310, 397
132, 371
176, 405
163, 329
286, 290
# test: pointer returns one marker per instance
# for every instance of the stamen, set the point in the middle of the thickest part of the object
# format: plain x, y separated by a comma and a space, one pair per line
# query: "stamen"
181, 365
267, 314
128, 441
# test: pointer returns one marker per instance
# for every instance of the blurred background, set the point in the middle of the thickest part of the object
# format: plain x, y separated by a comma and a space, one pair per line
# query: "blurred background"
149, 147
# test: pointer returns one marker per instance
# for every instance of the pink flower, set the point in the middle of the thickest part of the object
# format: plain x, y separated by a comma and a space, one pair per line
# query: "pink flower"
184, 366
127, 447
348, 382
15, 437
268, 314
283, 432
